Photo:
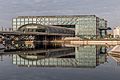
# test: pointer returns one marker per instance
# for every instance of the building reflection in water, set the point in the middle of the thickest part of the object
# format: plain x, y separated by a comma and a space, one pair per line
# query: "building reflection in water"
83, 56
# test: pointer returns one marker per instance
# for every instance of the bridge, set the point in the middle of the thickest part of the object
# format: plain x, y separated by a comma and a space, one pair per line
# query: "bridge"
29, 33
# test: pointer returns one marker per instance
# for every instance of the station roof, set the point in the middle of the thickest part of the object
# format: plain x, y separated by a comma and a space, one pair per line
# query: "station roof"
47, 29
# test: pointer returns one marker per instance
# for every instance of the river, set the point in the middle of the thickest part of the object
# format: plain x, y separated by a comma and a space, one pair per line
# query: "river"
59, 62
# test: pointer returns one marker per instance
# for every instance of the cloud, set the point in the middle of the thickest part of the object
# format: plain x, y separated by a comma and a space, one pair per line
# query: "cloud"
107, 9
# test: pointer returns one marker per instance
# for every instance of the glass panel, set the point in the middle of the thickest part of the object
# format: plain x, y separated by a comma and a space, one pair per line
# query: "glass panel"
30, 19
46, 19
30, 22
18, 19
18, 23
34, 19
26, 19
22, 23
22, 19
34, 22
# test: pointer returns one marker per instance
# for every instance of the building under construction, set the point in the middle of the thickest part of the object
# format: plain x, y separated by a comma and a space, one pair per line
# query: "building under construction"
85, 26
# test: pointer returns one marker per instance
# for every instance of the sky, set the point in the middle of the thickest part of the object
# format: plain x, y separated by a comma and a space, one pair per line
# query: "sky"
107, 9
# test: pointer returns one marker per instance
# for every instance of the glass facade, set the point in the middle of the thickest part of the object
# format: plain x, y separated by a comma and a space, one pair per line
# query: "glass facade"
86, 26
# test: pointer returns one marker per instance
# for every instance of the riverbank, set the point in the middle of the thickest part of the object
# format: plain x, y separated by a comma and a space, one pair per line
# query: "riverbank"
87, 42
90, 42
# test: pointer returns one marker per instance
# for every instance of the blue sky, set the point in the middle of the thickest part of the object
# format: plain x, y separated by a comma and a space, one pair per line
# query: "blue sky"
107, 9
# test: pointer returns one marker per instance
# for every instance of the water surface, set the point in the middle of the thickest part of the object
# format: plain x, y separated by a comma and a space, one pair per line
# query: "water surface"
59, 63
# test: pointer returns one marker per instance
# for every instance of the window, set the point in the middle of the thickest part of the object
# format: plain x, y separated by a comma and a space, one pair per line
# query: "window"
34, 19
30, 19
26, 19
22, 19
18, 20
18, 23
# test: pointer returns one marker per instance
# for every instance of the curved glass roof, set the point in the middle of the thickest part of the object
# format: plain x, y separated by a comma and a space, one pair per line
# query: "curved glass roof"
45, 28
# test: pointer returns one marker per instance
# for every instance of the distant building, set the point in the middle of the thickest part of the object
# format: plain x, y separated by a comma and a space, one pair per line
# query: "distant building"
85, 26
116, 32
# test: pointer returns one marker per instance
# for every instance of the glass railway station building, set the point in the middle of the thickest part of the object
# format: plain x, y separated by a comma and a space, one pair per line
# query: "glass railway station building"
85, 26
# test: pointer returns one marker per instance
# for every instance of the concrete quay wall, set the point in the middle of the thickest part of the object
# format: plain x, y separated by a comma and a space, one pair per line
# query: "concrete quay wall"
95, 42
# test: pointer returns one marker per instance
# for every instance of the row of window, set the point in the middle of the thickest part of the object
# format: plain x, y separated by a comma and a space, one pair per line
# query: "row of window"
44, 19
46, 23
